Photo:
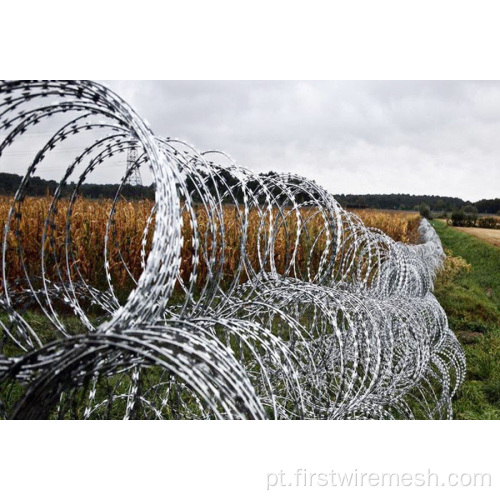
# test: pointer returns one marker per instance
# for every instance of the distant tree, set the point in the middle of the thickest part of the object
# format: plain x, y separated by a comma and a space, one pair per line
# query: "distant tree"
489, 206
361, 202
470, 212
458, 217
470, 209
425, 210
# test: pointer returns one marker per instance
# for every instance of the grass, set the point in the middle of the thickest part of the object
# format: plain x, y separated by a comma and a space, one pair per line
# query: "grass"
469, 291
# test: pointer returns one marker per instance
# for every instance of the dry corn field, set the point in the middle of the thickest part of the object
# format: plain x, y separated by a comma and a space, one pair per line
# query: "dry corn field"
399, 225
130, 232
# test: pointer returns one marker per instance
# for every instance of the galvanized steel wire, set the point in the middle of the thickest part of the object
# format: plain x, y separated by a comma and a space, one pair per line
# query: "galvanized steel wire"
317, 317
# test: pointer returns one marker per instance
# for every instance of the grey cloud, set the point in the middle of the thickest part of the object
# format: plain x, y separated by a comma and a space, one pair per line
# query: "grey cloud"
358, 137
352, 137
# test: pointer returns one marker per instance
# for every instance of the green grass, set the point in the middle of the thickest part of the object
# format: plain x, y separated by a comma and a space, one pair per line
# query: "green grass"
472, 302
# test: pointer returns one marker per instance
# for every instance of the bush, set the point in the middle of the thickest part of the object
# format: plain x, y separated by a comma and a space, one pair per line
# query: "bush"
466, 216
470, 215
487, 222
458, 217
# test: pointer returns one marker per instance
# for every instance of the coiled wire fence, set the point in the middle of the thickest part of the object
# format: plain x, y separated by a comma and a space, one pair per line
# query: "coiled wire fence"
306, 314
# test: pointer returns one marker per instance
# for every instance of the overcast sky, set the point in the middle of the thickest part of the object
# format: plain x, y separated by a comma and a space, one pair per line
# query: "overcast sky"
352, 137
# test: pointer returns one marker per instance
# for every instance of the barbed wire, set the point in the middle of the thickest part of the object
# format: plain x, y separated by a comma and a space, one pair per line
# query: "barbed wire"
306, 313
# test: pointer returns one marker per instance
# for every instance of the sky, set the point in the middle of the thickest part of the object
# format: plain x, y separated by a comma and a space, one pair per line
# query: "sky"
364, 137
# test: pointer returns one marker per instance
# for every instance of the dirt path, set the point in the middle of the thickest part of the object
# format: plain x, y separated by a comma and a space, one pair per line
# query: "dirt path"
490, 235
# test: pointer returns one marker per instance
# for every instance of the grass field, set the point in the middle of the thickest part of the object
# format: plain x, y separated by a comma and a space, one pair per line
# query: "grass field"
469, 291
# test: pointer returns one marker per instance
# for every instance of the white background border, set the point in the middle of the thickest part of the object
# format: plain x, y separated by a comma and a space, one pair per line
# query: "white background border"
239, 40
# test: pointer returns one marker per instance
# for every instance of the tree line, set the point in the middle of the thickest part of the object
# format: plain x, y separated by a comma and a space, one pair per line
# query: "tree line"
42, 187
436, 204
